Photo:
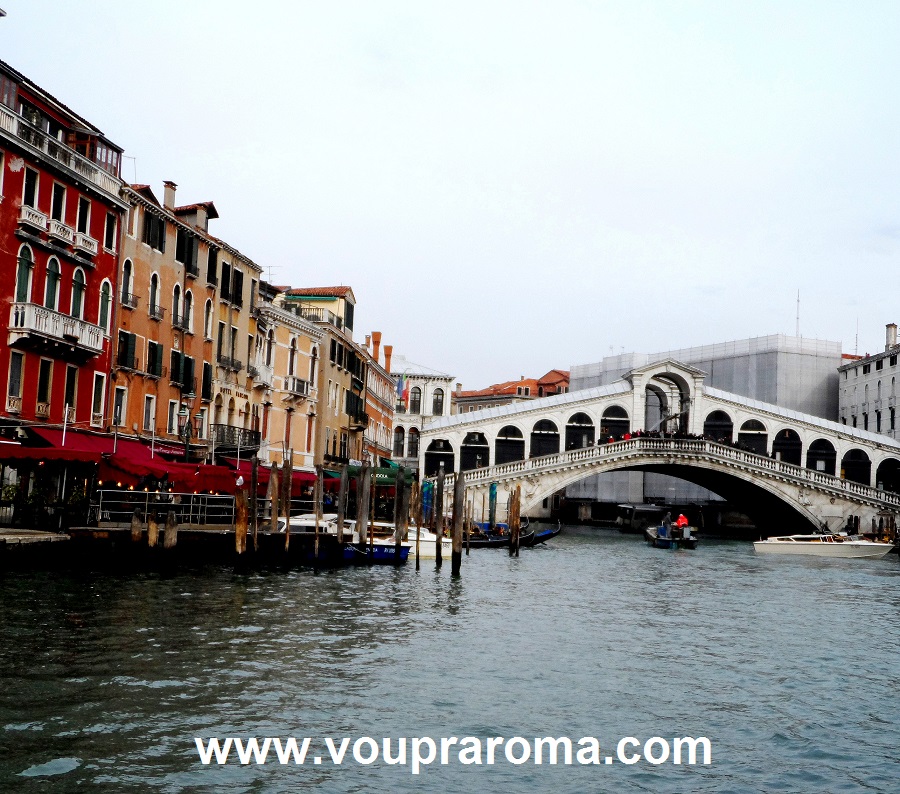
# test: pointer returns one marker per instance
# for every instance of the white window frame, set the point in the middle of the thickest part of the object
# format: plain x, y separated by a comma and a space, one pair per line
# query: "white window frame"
119, 421
97, 416
172, 418
150, 400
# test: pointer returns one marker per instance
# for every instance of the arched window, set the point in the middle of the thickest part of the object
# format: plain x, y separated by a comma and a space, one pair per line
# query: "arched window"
292, 357
105, 302
207, 319
51, 290
399, 442
270, 347
126, 282
188, 319
176, 304
415, 400
154, 293
78, 285
437, 403
412, 447
313, 361
23, 275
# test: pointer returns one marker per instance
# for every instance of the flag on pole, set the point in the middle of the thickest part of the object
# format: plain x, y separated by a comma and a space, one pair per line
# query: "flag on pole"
400, 383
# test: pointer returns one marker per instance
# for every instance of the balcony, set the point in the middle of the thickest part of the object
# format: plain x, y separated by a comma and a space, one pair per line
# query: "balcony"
13, 404
14, 124
96, 419
229, 437
128, 300
157, 312
359, 421
60, 231
229, 363
70, 414
158, 372
32, 217
252, 371
181, 322
42, 410
264, 376
124, 361
296, 387
85, 244
191, 270
321, 316
33, 325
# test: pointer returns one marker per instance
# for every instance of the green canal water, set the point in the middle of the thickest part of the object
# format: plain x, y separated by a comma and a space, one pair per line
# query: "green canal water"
788, 666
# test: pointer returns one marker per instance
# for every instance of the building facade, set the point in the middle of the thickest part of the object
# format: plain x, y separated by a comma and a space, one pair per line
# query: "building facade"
868, 388
341, 418
285, 372
556, 381
423, 395
60, 223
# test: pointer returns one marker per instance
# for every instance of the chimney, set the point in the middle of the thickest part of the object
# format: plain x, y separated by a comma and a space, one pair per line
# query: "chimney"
458, 388
368, 341
202, 216
376, 345
169, 189
890, 336
388, 352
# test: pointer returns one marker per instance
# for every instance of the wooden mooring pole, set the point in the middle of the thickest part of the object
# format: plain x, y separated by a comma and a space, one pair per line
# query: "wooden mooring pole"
417, 515
401, 512
439, 516
342, 502
254, 502
241, 521
514, 522
459, 519
317, 498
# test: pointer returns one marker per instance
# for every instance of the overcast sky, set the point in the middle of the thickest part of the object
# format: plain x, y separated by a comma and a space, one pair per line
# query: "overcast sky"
511, 187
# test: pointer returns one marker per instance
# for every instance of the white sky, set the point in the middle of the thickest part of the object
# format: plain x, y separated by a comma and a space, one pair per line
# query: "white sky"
511, 187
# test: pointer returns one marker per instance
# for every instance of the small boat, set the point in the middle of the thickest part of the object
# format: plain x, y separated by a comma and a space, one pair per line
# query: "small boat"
379, 552
543, 535
427, 545
671, 537
824, 545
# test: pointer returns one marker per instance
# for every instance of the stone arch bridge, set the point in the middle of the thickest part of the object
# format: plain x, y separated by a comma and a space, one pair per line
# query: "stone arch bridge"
773, 463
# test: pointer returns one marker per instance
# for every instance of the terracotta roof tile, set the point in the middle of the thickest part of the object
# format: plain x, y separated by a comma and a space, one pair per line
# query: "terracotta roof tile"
327, 292
207, 205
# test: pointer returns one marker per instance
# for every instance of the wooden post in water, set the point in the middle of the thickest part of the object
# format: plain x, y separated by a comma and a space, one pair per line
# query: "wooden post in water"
152, 530
417, 515
370, 553
363, 487
514, 522
401, 511
241, 521
317, 498
470, 522
459, 518
170, 538
137, 526
284, 498
254, 502
439, 515
342, 502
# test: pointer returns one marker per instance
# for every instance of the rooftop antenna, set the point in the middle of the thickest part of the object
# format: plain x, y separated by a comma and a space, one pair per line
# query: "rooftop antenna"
798, 313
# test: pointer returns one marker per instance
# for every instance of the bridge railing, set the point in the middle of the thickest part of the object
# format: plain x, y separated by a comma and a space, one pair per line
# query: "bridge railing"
681, 448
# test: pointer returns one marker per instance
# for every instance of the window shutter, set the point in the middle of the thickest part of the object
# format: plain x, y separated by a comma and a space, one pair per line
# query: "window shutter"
132, 346
225, 283
188, 368
175, 368
237, 288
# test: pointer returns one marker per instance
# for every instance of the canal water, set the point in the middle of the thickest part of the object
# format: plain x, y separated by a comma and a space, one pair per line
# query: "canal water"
788, 666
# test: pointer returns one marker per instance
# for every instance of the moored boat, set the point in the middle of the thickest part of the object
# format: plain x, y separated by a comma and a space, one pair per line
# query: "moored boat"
824, 545
539, 536
671, 537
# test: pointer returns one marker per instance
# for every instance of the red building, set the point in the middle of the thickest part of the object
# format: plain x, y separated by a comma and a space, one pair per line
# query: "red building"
60, 220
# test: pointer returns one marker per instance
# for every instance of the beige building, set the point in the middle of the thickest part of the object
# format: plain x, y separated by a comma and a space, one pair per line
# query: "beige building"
341, 417
285, 372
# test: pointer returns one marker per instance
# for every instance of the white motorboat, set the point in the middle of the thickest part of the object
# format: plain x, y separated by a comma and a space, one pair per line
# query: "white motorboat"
824, 545
427, 545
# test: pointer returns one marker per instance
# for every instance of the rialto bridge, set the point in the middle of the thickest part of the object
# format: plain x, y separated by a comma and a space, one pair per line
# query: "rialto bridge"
772, 463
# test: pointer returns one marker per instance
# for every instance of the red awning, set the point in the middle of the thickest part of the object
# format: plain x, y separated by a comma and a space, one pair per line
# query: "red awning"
301, 479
